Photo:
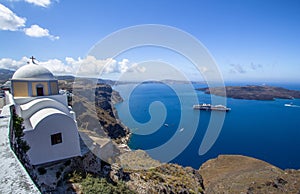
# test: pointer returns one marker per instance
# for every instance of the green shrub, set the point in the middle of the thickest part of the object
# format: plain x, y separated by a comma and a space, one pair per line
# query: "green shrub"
200, 190
122, 188
18, 130
91, 185
76, 177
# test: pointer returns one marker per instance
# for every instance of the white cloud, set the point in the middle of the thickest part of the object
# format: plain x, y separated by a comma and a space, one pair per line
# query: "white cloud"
203, 69
37, 31
42, 3
123, 65
237, 68
57, 66
89, 66
241, 69
7, 63
9, 20
136, 68
54, 65
254, 66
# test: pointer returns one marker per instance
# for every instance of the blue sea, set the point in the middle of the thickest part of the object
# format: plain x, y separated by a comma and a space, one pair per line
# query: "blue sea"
266, 130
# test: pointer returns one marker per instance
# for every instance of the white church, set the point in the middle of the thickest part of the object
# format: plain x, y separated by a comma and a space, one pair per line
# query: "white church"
50, 125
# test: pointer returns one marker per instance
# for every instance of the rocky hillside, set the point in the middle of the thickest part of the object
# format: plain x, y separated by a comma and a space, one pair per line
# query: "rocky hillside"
5, 75
151, 176
105, 97
165, 178
241, 174
136, 172
94, 108
139, 172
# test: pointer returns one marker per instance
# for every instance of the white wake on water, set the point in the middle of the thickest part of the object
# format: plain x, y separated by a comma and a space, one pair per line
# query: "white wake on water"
292, 105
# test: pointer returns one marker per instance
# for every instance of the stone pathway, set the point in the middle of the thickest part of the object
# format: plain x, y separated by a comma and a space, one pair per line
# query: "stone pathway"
13, 177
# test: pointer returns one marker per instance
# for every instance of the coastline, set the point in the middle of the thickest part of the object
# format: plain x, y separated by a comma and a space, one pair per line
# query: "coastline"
253, 92
142, 174
239, 174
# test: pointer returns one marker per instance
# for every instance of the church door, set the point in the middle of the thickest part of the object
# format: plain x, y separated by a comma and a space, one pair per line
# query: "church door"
40, 91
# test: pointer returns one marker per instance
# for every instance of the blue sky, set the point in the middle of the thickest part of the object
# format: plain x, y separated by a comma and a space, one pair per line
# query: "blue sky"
251, 40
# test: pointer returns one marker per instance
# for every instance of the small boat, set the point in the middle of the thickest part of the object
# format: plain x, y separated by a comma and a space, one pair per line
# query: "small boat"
211, 107
181, 129
166, 125
292, 105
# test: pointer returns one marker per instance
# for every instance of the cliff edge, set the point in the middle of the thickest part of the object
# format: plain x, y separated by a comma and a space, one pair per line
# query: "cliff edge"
241, 174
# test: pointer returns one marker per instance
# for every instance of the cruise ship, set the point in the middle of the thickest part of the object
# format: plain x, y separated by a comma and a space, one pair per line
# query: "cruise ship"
211, 107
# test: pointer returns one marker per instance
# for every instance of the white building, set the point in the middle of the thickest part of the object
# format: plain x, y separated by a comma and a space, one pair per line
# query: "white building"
50, 126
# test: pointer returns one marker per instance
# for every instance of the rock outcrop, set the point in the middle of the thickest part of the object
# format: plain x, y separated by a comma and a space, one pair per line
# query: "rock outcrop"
95, 111
241, 174
145, 175
167, 178
104, 97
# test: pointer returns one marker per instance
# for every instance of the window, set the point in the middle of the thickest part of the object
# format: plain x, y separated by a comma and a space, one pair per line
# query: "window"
56, 138
40, 91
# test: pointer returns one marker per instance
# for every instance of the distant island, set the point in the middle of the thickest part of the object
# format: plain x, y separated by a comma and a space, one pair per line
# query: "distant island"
252, 92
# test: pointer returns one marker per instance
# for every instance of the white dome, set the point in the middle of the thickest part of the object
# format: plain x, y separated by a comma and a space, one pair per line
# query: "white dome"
33, 71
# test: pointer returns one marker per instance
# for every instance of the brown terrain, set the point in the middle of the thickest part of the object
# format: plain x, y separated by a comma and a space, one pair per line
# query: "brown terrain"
241, 174
253, 92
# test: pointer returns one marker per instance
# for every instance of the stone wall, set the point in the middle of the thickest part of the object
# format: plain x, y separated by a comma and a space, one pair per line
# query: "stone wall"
13, 177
